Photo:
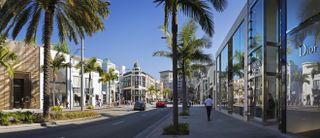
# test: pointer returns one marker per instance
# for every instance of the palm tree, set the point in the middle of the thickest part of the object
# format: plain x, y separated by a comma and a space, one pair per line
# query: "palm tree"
200, 11
167, 92
74, 19
89, 66
108, 77
190, 54
152, 90
6, 57
58, 63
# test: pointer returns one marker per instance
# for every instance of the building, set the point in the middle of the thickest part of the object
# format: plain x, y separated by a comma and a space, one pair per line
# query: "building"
135, 84
204, 84
166, 78
111, 96
23, 90
268, 64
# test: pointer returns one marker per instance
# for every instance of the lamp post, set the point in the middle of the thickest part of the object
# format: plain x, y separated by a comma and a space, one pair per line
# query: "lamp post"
82, 77
70, 77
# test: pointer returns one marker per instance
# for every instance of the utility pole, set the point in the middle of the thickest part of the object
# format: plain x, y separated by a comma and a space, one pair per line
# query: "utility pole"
82, 77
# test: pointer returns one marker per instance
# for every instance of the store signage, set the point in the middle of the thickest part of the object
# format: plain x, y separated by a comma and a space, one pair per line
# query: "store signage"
307, 50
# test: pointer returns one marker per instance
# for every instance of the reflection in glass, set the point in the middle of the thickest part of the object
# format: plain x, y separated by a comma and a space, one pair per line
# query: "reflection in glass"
238, 70
303, 67
255, 59
224, 78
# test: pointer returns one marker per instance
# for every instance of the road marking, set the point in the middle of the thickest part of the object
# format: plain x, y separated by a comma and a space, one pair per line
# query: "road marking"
117, 123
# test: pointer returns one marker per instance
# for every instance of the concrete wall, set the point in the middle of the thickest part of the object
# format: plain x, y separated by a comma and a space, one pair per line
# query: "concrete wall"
26, 63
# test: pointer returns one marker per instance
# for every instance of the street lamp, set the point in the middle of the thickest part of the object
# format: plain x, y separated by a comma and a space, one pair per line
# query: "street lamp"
70, 76
82, 77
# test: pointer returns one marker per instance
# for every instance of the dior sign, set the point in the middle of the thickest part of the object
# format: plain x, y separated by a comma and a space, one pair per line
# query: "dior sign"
307, 50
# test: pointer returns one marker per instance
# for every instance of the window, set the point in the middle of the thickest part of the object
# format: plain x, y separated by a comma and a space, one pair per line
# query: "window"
238, 69
76, 81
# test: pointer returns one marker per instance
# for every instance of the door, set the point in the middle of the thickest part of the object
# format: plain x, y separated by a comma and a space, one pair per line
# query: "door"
18, 93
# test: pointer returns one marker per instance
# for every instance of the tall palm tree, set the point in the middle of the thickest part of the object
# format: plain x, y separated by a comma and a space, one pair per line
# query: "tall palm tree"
58, 63
6, 57
200, 11
73, 19
152, 90
108, 77
190, 55
89, 66
167, 92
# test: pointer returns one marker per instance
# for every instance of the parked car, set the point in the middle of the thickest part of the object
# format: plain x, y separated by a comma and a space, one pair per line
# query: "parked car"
161, 104
139, 105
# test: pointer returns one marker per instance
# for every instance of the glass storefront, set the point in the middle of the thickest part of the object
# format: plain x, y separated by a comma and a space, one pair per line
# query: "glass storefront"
255, 55
238, 70
303, 67
254, 47
59, 89
224, 79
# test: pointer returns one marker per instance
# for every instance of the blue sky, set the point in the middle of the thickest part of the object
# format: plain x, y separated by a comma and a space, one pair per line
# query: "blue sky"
132, 34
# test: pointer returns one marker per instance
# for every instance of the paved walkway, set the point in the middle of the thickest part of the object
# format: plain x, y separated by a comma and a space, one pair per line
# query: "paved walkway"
304, 108
221, 126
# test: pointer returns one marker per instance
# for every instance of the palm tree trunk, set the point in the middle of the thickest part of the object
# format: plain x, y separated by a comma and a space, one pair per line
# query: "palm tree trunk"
54, 89
114, 97
109, 89
184, 90
89, 91
174, 29
48, 27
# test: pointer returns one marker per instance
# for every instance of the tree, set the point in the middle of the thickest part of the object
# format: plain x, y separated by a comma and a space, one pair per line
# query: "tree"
89, 66
74, 19
190, 55
151, 90
167, 92
200, 11
6, 57
108, 77
58, 63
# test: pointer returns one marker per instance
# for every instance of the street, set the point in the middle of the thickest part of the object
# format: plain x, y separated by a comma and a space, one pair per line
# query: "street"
126, 126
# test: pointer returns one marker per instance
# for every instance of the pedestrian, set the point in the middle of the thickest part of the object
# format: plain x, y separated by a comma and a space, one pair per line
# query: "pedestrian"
208, 103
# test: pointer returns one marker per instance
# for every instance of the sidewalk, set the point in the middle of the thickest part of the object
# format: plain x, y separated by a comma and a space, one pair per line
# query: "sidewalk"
221, 126
304, 108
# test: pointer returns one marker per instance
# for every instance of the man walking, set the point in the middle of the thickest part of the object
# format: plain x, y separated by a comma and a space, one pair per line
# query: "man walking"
208, 103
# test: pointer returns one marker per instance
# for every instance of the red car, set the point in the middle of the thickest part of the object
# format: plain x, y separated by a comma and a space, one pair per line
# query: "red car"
161, 104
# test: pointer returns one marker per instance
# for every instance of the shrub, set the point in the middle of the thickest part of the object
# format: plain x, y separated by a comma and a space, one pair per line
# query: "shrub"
29, 117
56, 108
72, 115
16, 118
183, 129
185, 113
37, 118
90, 107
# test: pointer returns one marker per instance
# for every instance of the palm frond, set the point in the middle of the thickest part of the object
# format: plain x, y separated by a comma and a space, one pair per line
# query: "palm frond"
199, 11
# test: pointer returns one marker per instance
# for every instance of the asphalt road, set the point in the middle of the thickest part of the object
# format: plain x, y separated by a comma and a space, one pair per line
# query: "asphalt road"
126, 126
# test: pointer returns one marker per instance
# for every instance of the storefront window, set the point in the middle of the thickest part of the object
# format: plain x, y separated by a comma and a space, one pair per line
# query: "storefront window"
59, 88
255, 59
218, 86
238, 70
303, 66
224, 78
